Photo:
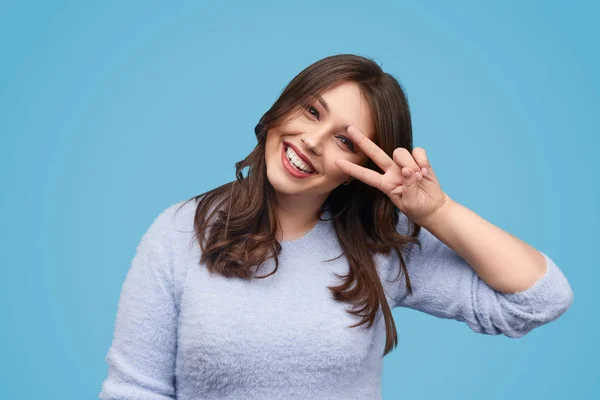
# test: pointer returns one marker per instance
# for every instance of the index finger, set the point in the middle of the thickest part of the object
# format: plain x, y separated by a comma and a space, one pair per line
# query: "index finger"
366, 175
373, 151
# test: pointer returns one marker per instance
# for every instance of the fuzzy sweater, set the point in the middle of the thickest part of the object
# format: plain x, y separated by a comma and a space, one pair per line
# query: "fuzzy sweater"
182, 333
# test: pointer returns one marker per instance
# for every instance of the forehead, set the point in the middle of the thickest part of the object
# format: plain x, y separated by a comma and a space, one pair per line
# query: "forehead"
348, 106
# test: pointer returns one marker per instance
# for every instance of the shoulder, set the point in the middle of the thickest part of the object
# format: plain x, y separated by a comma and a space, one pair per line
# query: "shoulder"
176, 219
172, 234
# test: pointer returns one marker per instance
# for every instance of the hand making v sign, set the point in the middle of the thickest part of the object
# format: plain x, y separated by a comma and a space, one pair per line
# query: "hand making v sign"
408, 180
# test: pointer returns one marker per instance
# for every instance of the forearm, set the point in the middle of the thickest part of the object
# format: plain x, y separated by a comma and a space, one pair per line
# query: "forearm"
502, 260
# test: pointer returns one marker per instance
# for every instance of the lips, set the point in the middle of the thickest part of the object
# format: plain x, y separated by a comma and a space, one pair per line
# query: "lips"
301, 155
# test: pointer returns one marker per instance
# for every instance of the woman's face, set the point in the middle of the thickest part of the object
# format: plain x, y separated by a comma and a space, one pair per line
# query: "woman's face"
300, 155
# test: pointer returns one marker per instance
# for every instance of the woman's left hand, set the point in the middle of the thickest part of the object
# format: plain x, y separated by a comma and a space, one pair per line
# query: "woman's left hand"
408, 180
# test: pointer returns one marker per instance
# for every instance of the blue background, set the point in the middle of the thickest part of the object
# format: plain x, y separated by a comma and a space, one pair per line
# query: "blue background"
112, 111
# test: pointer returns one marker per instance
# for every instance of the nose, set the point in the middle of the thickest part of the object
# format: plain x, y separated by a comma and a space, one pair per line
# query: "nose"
313, 138
310, 144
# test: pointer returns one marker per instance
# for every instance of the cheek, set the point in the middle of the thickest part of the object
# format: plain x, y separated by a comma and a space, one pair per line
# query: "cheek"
271, 144
333, 172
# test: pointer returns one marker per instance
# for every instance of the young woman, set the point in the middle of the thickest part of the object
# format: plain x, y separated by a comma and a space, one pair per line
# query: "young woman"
280, 284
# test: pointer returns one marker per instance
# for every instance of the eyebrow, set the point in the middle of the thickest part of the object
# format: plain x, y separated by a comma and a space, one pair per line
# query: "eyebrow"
326, 107
323, 102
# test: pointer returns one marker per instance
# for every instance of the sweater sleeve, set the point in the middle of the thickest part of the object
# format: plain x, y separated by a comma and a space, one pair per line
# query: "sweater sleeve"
444, 285
141, 359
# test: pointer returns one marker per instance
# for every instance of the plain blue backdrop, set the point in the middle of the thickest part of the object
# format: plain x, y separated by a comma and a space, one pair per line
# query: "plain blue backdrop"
112, 111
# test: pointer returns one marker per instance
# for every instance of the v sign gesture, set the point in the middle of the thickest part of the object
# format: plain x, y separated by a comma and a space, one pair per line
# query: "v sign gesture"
408, 180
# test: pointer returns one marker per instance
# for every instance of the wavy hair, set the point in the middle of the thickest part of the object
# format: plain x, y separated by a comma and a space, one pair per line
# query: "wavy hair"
237, 221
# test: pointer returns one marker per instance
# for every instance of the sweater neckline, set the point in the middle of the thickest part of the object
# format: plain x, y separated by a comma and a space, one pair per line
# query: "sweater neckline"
304, 237
319, 227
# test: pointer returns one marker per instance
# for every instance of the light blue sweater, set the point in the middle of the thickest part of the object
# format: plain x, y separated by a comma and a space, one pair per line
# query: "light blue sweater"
182, 333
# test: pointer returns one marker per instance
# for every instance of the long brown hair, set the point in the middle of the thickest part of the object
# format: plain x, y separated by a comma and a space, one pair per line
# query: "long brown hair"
241, 214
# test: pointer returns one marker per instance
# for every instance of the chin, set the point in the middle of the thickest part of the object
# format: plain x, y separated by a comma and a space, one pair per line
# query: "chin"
282, 184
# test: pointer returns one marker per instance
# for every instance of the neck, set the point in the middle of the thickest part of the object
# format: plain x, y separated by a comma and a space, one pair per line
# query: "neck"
296, 214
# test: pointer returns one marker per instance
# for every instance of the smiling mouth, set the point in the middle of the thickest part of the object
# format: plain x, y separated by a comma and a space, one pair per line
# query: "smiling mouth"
296, 162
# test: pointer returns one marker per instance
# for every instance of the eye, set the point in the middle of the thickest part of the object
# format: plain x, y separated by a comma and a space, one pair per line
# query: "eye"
313, 111
347, 142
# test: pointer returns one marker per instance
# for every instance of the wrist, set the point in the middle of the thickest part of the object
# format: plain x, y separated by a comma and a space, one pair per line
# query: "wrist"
438, 216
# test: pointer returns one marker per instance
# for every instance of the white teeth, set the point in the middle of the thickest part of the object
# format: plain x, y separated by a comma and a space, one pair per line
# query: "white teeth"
297, 161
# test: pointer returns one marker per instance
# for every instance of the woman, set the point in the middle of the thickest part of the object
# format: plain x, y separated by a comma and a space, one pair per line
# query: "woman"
289, 293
